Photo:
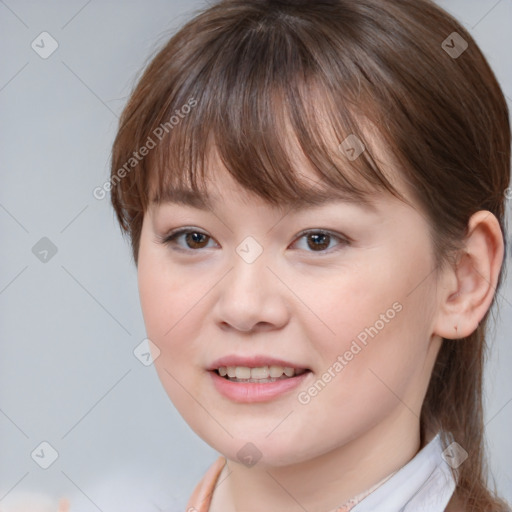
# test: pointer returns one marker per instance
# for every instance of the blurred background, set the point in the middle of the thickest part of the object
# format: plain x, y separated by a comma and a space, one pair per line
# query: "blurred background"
81, 415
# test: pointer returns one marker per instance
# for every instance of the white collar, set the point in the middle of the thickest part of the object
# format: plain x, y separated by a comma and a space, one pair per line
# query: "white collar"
424, 484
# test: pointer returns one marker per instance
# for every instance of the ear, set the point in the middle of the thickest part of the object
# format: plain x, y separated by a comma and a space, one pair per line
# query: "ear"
468, 288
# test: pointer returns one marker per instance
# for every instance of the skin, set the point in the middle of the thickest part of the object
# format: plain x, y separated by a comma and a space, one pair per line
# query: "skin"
307, 306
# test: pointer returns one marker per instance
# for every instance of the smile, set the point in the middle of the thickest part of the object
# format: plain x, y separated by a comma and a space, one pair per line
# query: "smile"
244, 384
259, 374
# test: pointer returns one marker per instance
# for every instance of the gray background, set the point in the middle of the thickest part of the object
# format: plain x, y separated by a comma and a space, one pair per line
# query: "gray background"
68, 327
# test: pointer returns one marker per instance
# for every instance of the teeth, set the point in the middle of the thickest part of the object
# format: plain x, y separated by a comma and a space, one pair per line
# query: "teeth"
258, 373
242, 372
276, 371
289, 372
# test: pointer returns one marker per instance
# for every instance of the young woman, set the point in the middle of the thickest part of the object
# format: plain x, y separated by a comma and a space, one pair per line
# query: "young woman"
314, 192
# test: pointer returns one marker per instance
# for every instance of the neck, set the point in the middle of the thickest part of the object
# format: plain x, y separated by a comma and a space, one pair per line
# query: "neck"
325, 482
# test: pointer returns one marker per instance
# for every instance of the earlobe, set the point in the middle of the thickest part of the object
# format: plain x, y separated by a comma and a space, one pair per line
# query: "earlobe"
469, 286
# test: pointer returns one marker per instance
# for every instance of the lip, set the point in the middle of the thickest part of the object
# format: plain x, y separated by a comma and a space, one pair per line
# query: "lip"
253, 362
248, 392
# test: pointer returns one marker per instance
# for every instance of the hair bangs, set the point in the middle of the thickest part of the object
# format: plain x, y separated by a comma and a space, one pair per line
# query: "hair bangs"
269, 120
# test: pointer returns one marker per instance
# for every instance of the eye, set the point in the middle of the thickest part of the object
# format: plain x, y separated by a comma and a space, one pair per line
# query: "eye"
192, 238
316, 240
320, 240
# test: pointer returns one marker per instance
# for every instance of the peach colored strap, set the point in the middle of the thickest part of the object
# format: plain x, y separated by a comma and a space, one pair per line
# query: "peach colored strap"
63, 505
202, 495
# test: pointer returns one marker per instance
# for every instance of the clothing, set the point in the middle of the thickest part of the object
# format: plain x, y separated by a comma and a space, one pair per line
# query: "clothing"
424, 484
32, 502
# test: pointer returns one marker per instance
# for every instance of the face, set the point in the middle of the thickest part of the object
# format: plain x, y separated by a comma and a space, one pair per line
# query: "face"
342, 293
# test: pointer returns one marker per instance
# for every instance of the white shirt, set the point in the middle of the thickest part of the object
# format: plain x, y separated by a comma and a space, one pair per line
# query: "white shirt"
424, 484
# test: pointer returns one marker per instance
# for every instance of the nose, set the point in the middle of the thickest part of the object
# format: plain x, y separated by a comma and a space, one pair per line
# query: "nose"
252, 297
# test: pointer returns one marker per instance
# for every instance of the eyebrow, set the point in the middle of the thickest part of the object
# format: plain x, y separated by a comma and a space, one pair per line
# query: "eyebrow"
188, 197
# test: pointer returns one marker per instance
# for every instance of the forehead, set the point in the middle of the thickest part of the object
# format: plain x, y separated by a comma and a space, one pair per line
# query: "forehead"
217, 182
206, 200
284, 170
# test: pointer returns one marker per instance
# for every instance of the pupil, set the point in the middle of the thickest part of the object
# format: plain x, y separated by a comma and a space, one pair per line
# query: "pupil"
194, 239
316, 238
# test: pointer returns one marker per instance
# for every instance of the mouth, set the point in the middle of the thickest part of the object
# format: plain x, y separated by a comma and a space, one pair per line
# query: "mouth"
258, 374
256, 379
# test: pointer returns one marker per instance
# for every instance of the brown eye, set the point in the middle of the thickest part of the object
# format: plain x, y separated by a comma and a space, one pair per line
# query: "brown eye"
318, 241
195, 240
192, 240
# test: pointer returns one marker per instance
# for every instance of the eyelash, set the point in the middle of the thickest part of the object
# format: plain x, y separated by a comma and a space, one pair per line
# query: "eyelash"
170, 239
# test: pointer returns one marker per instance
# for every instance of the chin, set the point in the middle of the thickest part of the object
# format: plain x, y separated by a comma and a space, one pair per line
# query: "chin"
260, 449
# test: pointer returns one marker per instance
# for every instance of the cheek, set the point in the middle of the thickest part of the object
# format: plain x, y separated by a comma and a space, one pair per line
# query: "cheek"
377, 339
165, 293
361, 383
346, 305
166, 302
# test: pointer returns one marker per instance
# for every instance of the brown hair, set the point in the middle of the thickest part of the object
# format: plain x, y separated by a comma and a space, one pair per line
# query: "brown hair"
247, 75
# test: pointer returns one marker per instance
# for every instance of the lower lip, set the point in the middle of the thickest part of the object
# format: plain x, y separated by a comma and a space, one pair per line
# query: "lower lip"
246, 392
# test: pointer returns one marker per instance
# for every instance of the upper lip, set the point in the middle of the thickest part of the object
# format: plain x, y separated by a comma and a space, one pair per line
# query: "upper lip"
254, 361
